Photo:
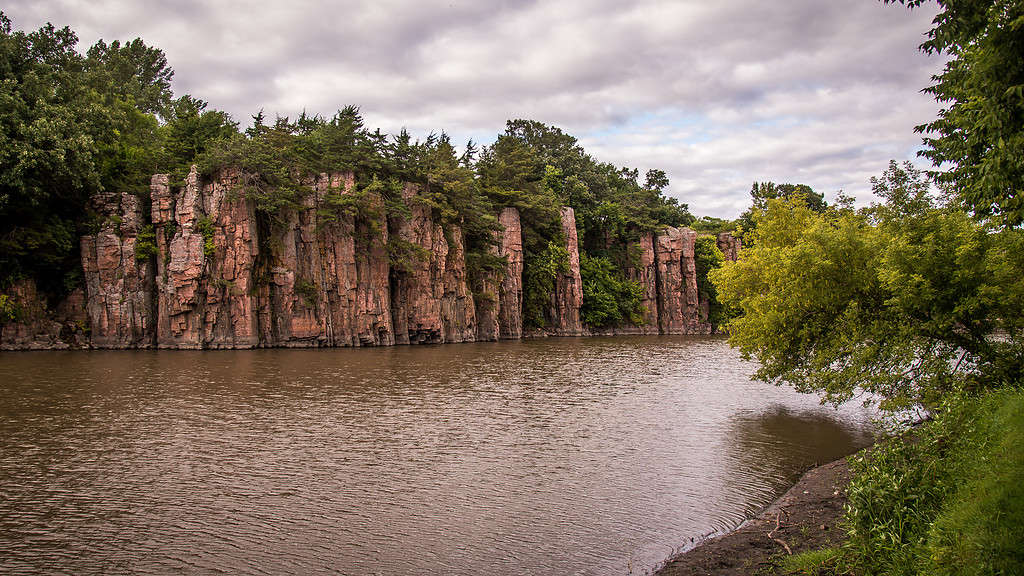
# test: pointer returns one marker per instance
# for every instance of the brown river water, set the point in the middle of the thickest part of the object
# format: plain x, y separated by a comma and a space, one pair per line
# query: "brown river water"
556, 456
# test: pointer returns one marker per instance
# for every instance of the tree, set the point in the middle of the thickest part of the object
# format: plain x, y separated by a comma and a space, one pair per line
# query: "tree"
191, 128
762, 192
49, 169
131, 72
979, 133
901, 299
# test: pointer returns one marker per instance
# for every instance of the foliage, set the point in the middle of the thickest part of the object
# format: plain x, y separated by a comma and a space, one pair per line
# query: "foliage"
10, 310
403, 255
712, 225
539, 274
205, 227
948, 499
763, 192
49, 126
75, 128
811, 562
133, 73
977, 139
537, 168
879, 300
145, 243
190, 129
308, 291
608, 298
708, 257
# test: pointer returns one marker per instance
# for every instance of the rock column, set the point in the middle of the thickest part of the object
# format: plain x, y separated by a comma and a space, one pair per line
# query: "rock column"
678, 308
568, 296
119, 282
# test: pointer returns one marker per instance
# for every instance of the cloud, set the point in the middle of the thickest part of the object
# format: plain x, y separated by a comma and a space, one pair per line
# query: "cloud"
716, 94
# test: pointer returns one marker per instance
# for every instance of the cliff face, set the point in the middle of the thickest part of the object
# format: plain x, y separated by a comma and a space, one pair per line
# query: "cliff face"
676, 276
510, 293
181, 262
329, 276
35, 326
568, 296
729, 245
417, 284
645, 272
118, 284
499, 303
335, 272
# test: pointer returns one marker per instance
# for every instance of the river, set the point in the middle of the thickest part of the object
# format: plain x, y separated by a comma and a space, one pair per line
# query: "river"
553, 456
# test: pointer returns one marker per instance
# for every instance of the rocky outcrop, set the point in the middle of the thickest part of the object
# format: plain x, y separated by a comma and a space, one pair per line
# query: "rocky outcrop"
27, 323
118, 275
329, 274
458, 312
430, 299
181, 262
371, 314
499, 298
729, 245
568, 295
510, 292
334, 270
416, 280
228, 230
645, 273
678, 307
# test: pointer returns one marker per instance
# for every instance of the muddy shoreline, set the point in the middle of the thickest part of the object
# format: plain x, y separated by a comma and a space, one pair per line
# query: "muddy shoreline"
804, 518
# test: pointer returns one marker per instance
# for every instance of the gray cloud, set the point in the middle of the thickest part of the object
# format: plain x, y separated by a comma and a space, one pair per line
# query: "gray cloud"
717, 94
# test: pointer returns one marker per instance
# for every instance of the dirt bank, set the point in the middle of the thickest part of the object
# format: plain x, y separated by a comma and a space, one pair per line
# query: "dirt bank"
804, 518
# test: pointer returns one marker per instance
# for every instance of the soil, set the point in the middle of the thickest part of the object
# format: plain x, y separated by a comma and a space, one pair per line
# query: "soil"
803, 519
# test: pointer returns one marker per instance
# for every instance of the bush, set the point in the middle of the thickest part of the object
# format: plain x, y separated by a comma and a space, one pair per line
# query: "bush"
947, 499
609, 299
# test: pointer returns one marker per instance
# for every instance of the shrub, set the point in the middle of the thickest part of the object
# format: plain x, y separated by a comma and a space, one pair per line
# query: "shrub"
947, 499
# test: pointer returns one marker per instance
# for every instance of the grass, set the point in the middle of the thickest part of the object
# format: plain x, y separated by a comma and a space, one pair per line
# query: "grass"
947, 501
814, 562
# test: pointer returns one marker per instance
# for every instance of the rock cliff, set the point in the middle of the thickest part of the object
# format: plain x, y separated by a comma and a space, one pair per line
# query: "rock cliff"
35, 326
568, 295
334, 270
729, 245
499, 301
510, 292
118, 276
676, 277
645, 273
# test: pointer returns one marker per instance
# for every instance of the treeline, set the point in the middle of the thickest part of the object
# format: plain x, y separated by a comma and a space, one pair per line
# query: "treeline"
76, 127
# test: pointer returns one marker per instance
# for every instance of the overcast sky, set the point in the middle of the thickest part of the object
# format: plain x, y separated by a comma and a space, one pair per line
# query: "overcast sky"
716, 93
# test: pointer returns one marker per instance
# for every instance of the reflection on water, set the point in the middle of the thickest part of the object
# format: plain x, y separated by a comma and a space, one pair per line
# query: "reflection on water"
584, 456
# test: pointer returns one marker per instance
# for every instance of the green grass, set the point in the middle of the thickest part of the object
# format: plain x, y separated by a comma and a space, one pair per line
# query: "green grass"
814, 562
948, 500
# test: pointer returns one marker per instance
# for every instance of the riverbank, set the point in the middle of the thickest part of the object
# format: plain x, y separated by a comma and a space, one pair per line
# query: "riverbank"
802, 519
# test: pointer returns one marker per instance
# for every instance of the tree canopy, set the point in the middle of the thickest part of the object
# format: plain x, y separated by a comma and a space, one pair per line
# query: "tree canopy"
977, 140
903, 299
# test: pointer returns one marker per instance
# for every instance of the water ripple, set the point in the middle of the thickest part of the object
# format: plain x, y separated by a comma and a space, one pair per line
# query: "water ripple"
586, 456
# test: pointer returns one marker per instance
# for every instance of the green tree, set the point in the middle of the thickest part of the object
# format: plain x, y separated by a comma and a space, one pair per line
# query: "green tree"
762, 192
50, 122
708, 257
979, 133
608, 298
133, 72
902, 299
190, 129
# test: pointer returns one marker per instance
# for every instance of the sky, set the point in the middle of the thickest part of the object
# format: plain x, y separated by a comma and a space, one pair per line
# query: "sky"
718, 94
